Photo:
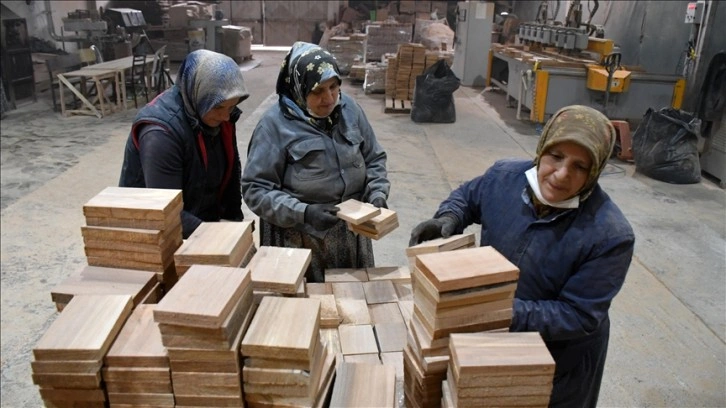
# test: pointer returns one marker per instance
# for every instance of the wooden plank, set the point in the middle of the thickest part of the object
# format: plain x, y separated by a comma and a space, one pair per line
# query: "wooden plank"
85, 328
346, 275
331, 339
131, 202
128, 374
395, 274
72, 395
140, 387
66, 367
138, 344
132, 235
379, 292
172, 221
496, 319
82, 381
406, 308
276, 376
371, 358
278, 269
357, 212
499, 354
159, 400
378, 226
404, 291
390, 336
216, 243
424, 288
329, 316
349, 290
203, 297
354, 383
283, 328
357, 339
466, 268
312, 288
442, 244
94, 280
385, 313
353, 311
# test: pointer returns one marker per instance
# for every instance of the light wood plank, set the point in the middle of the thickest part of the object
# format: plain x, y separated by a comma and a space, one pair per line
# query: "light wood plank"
349, 290
385, 313
379, 292
131, 235
371, 358
395, 274
453, 242
390, 336
346, 275
355, 382
138, 344
357, 339
500, 354
466, 268
356, 212
312, 288
216, 243
95, 280
353, 311
130, 202
329, 316
278, 269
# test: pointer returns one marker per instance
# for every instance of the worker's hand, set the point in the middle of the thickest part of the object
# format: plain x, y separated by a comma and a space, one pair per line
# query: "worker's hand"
379, 202
321, 216
442, 227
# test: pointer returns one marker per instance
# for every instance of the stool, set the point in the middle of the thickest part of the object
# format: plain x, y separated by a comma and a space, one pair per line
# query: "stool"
622, 129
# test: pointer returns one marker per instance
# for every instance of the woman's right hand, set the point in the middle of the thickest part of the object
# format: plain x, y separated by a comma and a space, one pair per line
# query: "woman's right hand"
321, 216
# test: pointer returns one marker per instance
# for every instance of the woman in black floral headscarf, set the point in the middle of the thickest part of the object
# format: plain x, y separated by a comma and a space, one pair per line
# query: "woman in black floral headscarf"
310, 152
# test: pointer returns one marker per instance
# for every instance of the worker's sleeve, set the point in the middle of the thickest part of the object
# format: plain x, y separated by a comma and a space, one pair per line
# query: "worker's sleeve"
585, 298
377, 183
262, 181
162, 160
464, 203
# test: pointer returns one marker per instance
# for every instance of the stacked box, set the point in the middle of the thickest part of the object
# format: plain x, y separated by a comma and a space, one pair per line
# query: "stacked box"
347, 50
375, 78
216, 243
385, 37
503, 369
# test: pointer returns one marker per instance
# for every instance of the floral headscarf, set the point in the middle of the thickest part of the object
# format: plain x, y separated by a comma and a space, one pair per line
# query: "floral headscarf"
206, 79
588, 128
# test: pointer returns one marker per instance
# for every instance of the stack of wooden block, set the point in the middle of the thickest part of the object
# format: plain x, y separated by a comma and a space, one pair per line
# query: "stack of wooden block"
278, 270
454, 242
202, 321
357, 73
384, 37
348, 50
68, 358
464, 291
375, 78
391, 71
285, 361
142, 286
134, 228
433, 56
376, 227
136, 368
364, 385
500, 369
216, 243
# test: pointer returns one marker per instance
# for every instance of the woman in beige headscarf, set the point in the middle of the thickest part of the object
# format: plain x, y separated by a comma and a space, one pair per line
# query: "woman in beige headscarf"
571, 243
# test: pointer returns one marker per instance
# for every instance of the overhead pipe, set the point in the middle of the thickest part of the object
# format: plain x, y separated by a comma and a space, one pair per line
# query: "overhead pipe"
51, 26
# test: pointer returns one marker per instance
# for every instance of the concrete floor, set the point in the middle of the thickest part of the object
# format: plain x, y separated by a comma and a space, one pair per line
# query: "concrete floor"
667, 347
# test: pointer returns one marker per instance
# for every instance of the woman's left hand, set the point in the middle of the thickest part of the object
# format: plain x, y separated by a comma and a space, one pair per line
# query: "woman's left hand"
379, 202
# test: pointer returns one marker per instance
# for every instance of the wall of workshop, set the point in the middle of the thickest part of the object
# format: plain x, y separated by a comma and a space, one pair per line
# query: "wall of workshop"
35, 12
652, 35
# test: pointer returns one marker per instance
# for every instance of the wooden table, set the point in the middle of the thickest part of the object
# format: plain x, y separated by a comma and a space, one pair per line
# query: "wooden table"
122, 65
99, 78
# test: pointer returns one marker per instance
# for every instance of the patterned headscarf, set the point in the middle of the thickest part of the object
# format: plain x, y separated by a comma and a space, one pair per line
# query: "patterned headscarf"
588, 128
304, 68
206, 79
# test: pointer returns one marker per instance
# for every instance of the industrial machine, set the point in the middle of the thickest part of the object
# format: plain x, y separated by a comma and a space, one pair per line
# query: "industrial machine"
565, 63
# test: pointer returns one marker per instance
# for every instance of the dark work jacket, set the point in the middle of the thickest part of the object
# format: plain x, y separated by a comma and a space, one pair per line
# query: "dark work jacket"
167, 111
571, 264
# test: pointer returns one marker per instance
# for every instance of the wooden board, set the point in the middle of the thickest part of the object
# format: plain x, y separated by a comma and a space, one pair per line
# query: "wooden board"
131, 235
357, 339
496, 319
73, 395
216, 243
157, 400
356, 212
95, 280
138, 344
396, 274
312, 288
371, 358
129, 374
329, 316
426, 291
166, 245
397, 105
331, 339
406, 308
385, 313
346, 275
390, 336
85, 328
466, 268
442, 244
379, 292
355, 382
378, 226
349, 290
129, 202
66, 367
404, 291
203, 297
353, 311
171, 222
140, 387
83, 381
283, 328
278, 269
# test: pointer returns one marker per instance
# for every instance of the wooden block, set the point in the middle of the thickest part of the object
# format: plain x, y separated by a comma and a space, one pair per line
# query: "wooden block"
497, 319
425, 291
313, 288
128, 202
166, 248
82, 381
442, 244
406, 308
203, 297
371, 358
356, 212
329, 316
280, 376
353, 311
159, 400
354, 383
216, 243
95, 280
378, 226
395, 360
283, 328
357, 339
466, 268
130, 374
66, 367
140, 387
150, 237
446, 400
172, 221
379, 292
349, 290
385, 313
403, 291
390, 336
85, 328
182, 400
331, 339
395, 274
72, 395
346, 275
278, 269
138, 344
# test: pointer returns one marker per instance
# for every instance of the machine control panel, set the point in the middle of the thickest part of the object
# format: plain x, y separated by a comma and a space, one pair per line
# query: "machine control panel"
694, 12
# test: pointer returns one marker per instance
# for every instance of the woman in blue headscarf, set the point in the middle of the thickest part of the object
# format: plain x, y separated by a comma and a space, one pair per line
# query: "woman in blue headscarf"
185, 139
312, 150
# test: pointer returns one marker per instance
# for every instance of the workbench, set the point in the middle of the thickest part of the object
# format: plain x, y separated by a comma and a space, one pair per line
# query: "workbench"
544, 81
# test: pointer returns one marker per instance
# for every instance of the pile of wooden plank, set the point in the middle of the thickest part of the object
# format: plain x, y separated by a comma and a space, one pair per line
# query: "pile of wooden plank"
285, 361
384, 37
364, 385
454, 242
378, 226
68, 358
279, 270
202, 321
463, 291
499, 369
142, 286
348, 50
216, 243
374, 81
136, 368
134, 228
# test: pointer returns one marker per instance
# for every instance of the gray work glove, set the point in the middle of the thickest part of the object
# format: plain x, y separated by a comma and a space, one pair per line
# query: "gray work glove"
442, 227
379, 202
321, 216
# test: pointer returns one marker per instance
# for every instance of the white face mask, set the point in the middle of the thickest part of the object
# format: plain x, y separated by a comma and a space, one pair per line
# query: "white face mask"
311, 113
531, 174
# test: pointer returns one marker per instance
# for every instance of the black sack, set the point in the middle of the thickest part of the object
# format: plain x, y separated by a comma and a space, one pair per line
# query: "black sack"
433, 99
665, 146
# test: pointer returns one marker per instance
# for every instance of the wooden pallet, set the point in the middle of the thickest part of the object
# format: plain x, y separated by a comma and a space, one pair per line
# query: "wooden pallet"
397, 106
